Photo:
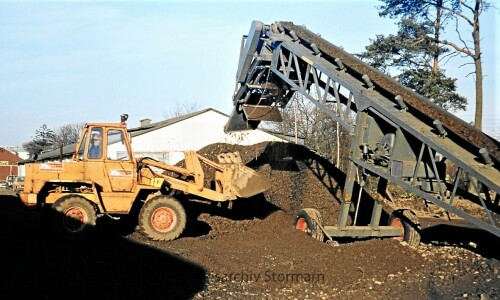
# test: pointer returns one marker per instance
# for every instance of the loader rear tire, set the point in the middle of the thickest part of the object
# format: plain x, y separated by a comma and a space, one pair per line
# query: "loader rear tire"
307, 220
409, 222
74, 217
162, 218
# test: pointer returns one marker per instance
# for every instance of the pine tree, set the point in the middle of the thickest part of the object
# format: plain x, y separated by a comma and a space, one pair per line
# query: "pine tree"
413, 54
434, 16
44, 138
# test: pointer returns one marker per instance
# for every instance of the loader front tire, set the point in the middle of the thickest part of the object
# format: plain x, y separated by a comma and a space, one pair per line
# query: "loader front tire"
162, 218
74, 217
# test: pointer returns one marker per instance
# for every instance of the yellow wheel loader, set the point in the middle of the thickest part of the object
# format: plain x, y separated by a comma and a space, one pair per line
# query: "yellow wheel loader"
104, 178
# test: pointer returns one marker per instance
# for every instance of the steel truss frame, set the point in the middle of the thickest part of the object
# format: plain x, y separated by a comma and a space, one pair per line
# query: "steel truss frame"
411, 161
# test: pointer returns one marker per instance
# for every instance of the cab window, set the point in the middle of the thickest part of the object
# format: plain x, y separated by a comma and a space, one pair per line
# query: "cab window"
95, 144
117, 149
82, 146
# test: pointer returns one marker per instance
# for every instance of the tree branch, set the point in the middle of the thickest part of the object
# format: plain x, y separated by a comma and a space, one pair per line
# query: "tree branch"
449, 56
465, 64
464, 4
471, 73
417, 41
460, 37
457, 13
457, 48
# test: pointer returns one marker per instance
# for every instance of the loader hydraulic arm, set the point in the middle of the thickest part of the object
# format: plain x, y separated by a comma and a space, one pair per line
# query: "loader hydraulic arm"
232, 178
154, 163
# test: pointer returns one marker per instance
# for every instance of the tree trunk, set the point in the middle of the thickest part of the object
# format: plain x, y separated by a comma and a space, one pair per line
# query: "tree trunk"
478, 118
437, 31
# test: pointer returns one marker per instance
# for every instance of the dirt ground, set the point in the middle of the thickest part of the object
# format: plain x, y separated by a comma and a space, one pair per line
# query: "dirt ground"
248, 250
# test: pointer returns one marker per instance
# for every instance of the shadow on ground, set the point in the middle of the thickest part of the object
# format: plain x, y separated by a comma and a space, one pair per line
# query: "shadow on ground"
461, 234
36, 265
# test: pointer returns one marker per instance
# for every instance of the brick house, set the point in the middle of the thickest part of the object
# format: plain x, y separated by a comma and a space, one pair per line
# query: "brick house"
8, 163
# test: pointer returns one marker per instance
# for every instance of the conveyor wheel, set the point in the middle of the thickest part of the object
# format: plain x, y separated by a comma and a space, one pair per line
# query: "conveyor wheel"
309, 221
409, 222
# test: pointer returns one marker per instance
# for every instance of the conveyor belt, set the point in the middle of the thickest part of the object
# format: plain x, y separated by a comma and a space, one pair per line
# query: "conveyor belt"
429, 110
391, 141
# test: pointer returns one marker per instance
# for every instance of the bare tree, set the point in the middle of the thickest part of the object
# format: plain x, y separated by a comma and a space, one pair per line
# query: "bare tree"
472, 51
33, 148
68, 134
47, 139
181, 109
302, 119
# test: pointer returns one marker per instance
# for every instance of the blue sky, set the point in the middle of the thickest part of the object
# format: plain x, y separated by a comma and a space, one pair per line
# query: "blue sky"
69, 62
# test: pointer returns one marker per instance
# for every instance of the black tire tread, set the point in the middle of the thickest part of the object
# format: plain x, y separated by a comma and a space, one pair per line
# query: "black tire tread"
57, 215
147, 209
312, 217
411, 226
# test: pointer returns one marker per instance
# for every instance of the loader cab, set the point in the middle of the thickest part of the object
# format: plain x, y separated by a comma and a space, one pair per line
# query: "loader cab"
100, 142
106, 147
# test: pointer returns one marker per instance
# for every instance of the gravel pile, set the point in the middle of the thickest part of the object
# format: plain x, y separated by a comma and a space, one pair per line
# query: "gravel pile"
299, 178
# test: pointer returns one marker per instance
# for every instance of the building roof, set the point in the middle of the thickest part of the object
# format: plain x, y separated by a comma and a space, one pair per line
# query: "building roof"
8, 156
154, 126
68, 150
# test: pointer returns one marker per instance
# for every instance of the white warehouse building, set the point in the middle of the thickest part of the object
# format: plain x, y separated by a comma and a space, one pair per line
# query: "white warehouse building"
166, 140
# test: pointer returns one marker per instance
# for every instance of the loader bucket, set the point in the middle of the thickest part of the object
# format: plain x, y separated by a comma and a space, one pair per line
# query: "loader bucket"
245, 182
